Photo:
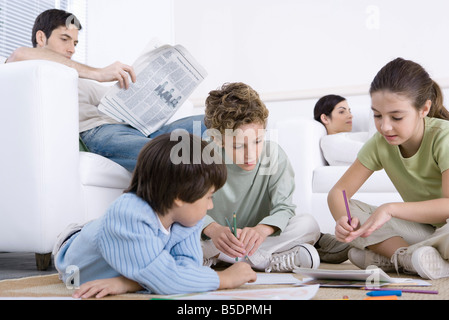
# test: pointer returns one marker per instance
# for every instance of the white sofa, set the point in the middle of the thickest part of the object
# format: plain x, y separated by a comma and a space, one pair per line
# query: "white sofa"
299, 135
46, 183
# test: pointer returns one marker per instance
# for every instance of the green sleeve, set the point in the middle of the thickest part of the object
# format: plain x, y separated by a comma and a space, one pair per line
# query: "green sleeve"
441, 150
368, 154
281, 187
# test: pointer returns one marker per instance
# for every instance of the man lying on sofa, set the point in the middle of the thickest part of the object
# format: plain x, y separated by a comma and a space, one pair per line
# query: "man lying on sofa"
54, 38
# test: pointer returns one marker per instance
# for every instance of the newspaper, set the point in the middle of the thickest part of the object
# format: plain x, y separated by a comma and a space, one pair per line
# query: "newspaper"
166, 76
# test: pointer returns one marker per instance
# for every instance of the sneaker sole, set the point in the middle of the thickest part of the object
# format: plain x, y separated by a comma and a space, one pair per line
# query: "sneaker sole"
429, 264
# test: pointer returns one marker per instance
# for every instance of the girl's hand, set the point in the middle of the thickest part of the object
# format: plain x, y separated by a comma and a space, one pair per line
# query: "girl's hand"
344, 230
376, 220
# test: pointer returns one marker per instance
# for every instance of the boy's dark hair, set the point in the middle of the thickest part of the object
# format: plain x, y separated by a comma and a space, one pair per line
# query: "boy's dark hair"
52, 19
158, 180
325, 105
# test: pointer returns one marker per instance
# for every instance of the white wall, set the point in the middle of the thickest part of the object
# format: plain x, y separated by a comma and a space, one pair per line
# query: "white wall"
289, 44
278, 46
120, 29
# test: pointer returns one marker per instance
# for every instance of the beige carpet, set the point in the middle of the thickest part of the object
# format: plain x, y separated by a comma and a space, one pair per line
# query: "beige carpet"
51, 286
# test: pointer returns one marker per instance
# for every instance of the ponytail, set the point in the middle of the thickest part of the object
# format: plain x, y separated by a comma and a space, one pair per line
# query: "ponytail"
437, 109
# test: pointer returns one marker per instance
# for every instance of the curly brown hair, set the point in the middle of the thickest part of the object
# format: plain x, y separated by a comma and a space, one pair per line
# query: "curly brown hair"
233, 105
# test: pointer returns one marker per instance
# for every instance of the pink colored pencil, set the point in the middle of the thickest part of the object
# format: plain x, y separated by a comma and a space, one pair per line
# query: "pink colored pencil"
347, 207
420, 291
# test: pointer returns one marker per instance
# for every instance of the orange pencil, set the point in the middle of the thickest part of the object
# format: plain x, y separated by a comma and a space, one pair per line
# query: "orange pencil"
382, 298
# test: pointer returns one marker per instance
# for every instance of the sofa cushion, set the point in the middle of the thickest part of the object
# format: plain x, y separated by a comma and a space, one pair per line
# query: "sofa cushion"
325, 177
99, 171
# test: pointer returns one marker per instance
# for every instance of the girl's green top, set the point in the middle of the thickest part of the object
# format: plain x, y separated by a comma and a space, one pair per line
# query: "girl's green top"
419, 177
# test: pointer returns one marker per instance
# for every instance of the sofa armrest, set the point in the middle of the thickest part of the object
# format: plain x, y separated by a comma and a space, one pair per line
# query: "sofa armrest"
39, 168
300, 138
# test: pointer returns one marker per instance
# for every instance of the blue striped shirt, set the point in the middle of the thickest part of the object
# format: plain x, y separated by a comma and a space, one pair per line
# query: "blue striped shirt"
128, 240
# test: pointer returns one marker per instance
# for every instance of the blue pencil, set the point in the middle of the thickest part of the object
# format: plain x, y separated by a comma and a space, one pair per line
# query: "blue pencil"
382, 293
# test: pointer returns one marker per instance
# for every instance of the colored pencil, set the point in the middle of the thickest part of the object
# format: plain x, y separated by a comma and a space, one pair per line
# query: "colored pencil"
405, 290
382, 298
347, 207
234, 217
381, 293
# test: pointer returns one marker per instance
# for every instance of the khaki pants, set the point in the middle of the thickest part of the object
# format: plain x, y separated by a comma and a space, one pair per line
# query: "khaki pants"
300, 229
415, 234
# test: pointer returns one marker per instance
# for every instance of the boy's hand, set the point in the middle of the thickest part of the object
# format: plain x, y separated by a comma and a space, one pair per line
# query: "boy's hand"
253, 237
103, 287
224, 240
236, 275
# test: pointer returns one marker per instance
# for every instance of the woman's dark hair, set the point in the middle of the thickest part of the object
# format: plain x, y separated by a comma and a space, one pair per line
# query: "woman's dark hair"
326, 105
159, 177
50, 20
408, 78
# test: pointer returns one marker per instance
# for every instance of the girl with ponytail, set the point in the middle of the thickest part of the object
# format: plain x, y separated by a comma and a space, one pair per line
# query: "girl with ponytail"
412, 146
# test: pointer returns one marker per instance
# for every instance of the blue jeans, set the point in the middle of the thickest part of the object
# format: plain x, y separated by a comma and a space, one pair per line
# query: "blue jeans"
122, 143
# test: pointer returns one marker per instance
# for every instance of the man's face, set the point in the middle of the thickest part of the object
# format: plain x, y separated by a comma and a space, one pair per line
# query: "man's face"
62, 40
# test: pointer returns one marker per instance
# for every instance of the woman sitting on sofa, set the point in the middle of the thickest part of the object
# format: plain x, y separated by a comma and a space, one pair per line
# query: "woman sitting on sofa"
340, 146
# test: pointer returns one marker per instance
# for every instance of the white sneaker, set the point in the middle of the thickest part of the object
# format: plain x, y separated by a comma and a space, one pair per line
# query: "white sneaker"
403, 260
364, 258
209, 262
301, 256
429, 264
